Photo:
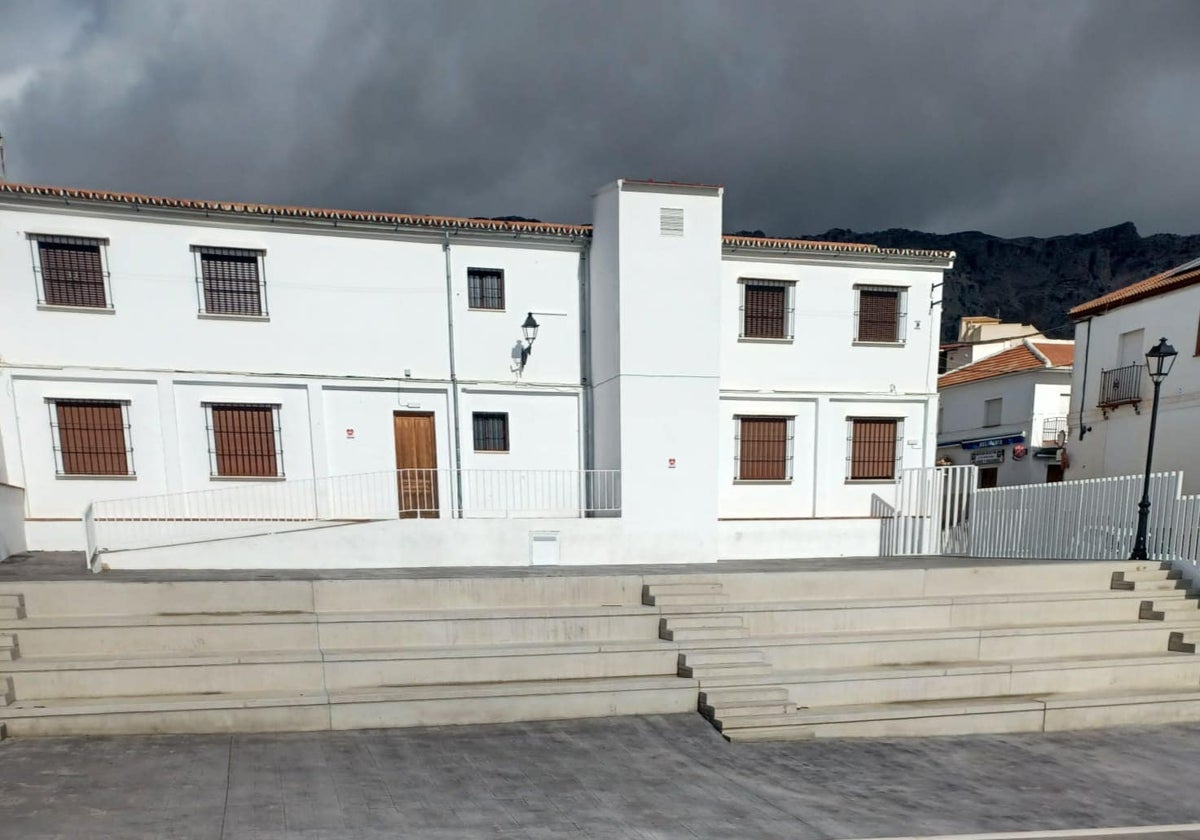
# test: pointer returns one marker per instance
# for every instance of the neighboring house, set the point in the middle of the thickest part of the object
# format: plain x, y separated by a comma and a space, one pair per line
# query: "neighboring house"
1110, 410
1007, 413
153, 347
980, 336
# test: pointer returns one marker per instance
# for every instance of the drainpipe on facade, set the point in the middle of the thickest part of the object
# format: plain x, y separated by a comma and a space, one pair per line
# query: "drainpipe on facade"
453, 381
585, 354
1087, 346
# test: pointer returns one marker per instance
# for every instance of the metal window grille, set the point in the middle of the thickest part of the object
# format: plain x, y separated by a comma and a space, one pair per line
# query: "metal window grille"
880, 314
767, 309
485, 288
670, 221
491, 431
91, 437
1051, 427
244, 440
230, 281
763, 448
874, 448
70, 271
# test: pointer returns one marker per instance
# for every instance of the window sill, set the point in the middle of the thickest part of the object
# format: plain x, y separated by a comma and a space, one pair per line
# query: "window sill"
247, 478
491, 451
216, 316
749, 339
870, 481
762, 481
84, 477
486, 309
95, 310
878, 344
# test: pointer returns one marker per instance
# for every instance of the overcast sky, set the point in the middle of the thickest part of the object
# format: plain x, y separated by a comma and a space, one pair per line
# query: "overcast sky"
1017, 118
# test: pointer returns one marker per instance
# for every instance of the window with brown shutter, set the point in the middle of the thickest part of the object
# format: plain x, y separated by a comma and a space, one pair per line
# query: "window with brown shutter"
231, 281
72, 271
880, 314
485, 288
873, 448
764, 448
244, 441
767, 309
91, 437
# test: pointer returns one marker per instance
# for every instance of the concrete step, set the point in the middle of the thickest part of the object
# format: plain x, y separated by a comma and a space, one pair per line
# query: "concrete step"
752, 694
12, 606
371, 708
900, 684
1183, 641
1163, 609
724, 672
686, 599
723, 656
725, 711
685, 622
698, 587
1164, 573
693, 634
725, 722
1162, 585
9, 649
7, 694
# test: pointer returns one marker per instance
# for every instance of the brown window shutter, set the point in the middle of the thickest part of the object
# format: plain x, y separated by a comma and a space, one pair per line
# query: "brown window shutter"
878, 315
873, 449
765, 312
244, 438
91, 438
762, 454
231, 282
72, 273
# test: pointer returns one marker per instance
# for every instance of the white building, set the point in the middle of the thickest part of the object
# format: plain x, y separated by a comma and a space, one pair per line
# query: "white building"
1110, 410
980, 336
1007, 412
688, 394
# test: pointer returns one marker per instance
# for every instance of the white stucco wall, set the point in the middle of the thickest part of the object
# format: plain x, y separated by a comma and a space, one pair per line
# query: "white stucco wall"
1117, 445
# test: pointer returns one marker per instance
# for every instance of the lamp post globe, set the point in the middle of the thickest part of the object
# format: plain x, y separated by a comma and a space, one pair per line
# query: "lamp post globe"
1159, 360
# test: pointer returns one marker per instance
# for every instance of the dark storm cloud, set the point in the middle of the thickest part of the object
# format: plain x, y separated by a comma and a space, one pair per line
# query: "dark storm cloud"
1012, 117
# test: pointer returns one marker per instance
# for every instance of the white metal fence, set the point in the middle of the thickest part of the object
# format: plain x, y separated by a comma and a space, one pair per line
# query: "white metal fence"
940, 510
255, 508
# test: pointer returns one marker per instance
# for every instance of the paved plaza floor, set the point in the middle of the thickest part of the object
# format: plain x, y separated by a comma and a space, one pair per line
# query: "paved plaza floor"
637, 778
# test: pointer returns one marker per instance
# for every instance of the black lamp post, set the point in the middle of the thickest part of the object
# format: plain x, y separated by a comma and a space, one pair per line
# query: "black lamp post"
1159, 360
529, 330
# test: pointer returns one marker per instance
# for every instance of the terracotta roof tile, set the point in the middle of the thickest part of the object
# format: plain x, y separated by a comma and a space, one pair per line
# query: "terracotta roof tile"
292, 212
809, 245
1013, 360
1167, 281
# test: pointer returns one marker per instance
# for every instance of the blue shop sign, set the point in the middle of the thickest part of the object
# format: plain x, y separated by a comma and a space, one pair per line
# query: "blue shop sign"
991, 443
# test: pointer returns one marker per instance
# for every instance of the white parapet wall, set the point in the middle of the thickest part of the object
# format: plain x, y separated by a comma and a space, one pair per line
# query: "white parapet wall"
421, 542
12, 520
774, 539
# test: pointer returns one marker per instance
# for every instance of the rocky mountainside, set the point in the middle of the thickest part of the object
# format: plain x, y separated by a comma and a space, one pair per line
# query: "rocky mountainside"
1030, 279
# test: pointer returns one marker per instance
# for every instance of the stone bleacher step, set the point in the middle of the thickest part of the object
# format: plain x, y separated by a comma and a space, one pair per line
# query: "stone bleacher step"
685, 599
694, 634
12, 607
683, 622
747, 709
1183, 641
749, 694
1158, 585
1128, 580
723, 656
7, 696
8, 647
725, 671
1161, 609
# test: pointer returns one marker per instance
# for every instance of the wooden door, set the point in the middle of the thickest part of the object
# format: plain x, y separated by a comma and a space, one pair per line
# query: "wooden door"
988, 477
1054, 473
416, 464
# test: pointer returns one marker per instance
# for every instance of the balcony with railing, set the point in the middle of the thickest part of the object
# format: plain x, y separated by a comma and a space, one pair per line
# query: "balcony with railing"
1052, 428
1121, 386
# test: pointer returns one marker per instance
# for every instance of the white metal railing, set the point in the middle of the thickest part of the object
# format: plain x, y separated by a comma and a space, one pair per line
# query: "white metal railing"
940, 510
266, 507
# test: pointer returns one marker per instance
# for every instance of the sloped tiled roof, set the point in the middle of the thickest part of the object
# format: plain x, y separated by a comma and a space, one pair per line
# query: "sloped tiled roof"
1179, 277
1013, 360
774, 244
67, 194
293, 212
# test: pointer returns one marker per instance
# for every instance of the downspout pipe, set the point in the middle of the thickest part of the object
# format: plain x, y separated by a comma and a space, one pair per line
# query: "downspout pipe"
1087, 347
458, 491
588, 443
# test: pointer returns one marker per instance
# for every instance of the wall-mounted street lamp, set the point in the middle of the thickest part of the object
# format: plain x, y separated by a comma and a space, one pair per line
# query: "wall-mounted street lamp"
529, 329
1159, 360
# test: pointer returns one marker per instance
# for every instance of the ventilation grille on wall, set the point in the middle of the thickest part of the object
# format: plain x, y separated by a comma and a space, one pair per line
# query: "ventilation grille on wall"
670, 221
